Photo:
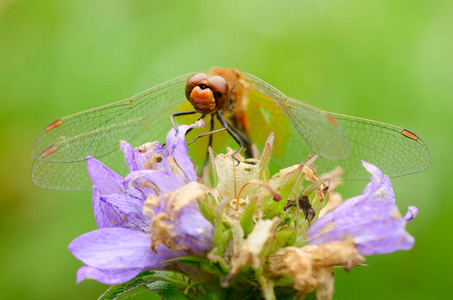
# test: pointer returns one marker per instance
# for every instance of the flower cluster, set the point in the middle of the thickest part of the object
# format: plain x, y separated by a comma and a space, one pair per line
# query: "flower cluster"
242, 234
142, 220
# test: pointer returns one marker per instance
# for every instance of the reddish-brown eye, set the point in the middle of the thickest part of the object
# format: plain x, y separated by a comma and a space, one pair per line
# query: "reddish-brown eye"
221, 90
193, 82
218, 84
207, 94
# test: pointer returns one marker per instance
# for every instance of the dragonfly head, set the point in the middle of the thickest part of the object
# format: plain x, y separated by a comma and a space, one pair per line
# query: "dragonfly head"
206, 93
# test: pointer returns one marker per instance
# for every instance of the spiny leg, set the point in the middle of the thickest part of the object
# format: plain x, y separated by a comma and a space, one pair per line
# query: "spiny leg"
238, 140
211, 129
237, 132
244, 138
210, 142
190, 129
225, 127
184, 113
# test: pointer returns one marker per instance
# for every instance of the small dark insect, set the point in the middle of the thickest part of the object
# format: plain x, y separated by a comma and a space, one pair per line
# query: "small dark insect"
304, 204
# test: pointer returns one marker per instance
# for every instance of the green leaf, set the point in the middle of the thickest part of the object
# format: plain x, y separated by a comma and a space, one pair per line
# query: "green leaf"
286, 293
178, 280
214, 268
311, 296
162, 282
131, 288
212, 296
166, 290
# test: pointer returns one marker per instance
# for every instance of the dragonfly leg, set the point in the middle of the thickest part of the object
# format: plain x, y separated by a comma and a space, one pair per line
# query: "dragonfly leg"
209, 144
243, 138
190, 129
237, 141
210, 136
180, 114
233, 135
225, 127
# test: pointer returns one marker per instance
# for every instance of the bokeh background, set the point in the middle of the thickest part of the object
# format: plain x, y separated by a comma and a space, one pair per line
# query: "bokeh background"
380, 59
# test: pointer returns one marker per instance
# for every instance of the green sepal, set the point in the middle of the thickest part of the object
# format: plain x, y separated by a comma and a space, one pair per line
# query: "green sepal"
221, 236
318, 205
267, 285
292, 184
289, 188
281, 238
284, 281
312, 187
265, 158
213, 168
206, 209
246, 219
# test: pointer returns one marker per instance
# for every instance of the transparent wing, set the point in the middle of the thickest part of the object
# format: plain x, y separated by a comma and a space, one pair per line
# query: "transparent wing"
339, 140
72, 176
322, 133
395, 150
60, 150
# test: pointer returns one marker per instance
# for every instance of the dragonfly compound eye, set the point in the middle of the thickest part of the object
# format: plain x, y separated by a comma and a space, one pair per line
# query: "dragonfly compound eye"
221, 90
193, 82
207, 94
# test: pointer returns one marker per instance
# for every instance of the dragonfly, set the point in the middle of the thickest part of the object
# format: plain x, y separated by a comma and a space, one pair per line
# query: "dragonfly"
244, 106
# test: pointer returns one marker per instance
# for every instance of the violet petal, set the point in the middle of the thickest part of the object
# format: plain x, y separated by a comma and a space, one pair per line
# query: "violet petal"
107, 182
121, 211
105, 214
371, 219
106, 276
194, 231
136, 158
176, 146
119, 249
164, 181
411, 213
128, 152
104, 179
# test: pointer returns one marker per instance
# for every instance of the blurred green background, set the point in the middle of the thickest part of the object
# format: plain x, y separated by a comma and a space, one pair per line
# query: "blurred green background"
381, 59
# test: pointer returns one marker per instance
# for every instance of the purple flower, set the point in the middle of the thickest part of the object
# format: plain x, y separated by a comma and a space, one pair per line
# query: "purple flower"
128, 240
372, 220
